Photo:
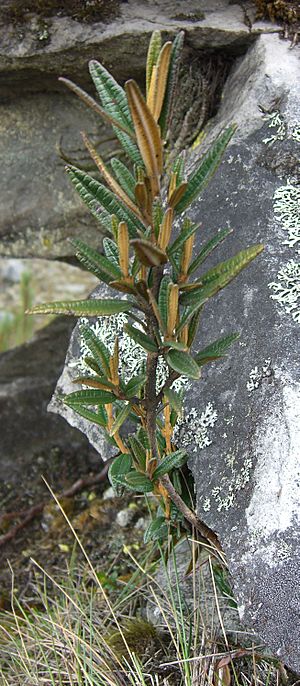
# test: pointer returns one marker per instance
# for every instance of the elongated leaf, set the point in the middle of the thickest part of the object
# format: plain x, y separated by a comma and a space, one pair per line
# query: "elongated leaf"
221, 275
134, 386
148, 253
96, 196
120, 419
168, 104
138, 452
143, 438
169, 462
139, 337
83, 308
95, 261
207, 167
175, 344
111, 251
193, 327
111, 94
100, 382
90, 102
163, 299
174, 399
124, 176
97, 348
90, 362
89, 397
119, 468
147, 133
110, 180
188, 230
183, 363
208, 248
152, 56
157, 530
99, 417
161, 79
138, 482
216, 349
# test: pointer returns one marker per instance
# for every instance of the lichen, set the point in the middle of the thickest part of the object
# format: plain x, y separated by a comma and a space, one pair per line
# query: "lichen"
286, 204
287, 289
192, 429
225, 494
257, 375
283, 129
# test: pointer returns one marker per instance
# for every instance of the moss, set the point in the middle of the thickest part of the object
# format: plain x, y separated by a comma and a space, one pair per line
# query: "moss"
80, 10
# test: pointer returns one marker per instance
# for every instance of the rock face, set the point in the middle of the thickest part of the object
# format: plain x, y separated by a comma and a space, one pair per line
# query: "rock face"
27, 379
241, 422
40, 210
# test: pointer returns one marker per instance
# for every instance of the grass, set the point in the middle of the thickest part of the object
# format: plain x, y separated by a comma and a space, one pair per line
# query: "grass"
16, 327
144, 631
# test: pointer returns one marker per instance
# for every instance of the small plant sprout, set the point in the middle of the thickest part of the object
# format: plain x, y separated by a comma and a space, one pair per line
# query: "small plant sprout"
151, 264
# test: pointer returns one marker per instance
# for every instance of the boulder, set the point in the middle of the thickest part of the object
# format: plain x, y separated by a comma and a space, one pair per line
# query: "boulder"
241, 422
40, 210
30, 437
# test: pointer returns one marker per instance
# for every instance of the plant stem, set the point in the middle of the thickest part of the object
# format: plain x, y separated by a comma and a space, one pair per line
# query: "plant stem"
188, 514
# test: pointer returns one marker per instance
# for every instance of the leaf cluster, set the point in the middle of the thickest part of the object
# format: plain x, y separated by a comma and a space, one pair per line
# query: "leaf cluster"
153, 268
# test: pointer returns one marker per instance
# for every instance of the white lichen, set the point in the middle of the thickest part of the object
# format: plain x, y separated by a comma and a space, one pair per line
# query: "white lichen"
286, 204
192, 429
225, 494
287, 290
282, 128
256, 375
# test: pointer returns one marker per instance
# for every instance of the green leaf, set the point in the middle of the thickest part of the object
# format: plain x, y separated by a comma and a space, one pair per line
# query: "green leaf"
169, 462
90, 362
170, 95
216, 349
207, 249
139, 337
124, 176
163, 298
120, 419
188, 230
111, 251
119, 468
143, 438
89, 397
114, 101
220, 276
207, 167
99, 417
95, 195
84, 308
157, 530
178, 168
152, 55
134, 386
175, 344
183, 363
138, 482
138, 451
174, 399
95, 262
97, 348
193, 326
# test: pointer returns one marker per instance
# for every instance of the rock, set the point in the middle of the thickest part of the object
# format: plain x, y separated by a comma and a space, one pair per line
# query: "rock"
11, 270
28, 433
241, 422
124, 517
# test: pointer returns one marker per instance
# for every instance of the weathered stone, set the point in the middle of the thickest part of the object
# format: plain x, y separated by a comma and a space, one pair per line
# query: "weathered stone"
32, 56
241, 422
27, 379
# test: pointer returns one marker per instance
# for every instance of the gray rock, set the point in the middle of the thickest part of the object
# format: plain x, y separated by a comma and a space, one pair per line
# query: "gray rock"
40, 210
29, 435
242, 421
31, 64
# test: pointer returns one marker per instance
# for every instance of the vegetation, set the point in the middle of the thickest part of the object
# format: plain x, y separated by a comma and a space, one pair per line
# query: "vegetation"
148, 259
15, 327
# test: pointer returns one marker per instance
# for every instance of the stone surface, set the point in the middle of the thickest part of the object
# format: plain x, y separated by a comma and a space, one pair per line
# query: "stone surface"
241, 422
39, 208
28, 433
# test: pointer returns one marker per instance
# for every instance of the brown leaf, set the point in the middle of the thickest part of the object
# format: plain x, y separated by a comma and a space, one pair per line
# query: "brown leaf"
147, 133
148, 254
177, 194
